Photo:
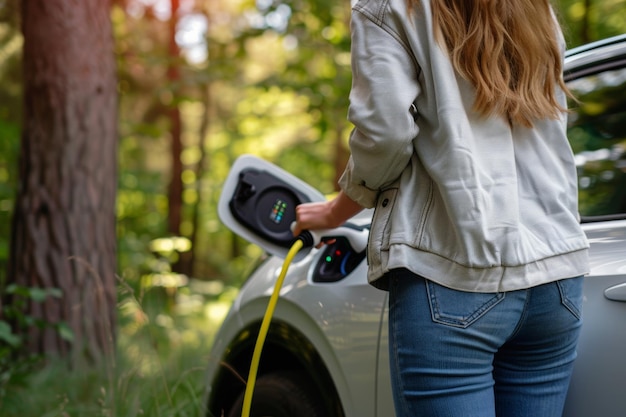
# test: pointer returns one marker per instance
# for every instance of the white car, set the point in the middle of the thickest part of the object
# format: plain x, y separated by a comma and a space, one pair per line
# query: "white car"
326, 353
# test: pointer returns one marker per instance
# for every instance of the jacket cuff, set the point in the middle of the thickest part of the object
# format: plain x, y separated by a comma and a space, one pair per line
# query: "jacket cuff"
355, 189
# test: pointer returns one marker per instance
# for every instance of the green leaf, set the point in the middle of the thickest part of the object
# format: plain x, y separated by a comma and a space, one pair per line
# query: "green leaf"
65, 332
7, 335
38, 294
17, 290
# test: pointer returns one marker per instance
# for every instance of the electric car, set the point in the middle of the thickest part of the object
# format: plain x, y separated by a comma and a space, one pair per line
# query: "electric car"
326, 353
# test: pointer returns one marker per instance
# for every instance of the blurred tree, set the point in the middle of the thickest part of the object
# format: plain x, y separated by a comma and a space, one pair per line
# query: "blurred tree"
175, 189
315, 36
63, 230
10, 117
175, 193
591, 20
157, 83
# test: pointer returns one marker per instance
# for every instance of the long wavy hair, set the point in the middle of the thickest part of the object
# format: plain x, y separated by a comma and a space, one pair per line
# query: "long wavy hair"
508, 49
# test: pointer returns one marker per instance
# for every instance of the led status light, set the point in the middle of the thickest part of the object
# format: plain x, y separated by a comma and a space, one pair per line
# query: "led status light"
278, 211
330, 258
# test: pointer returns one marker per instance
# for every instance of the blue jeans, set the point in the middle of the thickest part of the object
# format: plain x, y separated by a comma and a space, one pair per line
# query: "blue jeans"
462, 354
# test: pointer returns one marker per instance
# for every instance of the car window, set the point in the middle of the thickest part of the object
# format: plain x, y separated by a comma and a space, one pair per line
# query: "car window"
597, 132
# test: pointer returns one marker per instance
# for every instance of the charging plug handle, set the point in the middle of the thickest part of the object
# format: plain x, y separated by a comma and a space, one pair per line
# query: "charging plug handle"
356, 236
307, 239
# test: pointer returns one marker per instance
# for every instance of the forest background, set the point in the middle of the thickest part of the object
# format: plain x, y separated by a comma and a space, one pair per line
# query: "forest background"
199, 82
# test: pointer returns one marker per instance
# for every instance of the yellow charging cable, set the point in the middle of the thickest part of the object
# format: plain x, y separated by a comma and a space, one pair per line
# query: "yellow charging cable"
265, 325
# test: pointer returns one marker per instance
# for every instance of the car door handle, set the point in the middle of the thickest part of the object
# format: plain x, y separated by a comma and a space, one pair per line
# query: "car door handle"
616, 293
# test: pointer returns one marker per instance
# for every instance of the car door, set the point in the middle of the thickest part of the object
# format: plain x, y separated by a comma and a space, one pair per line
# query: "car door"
596, 74
597, 387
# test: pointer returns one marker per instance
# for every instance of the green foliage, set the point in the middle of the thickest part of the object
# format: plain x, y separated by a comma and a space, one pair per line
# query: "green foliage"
15, 365
10, 119
591, 20
157, 371
16, 322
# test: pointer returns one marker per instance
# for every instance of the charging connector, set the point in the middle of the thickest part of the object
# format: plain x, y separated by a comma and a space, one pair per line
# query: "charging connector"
358, 240
306, 238
355, 235
265, 326
258, 202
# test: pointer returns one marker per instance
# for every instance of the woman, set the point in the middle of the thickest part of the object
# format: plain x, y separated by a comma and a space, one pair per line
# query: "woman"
460, 145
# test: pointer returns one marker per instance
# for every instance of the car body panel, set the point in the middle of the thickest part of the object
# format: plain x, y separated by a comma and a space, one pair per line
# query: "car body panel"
335, 322
600, 370
608, 242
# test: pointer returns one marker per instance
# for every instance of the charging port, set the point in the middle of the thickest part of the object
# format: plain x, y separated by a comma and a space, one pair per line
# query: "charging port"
336, 261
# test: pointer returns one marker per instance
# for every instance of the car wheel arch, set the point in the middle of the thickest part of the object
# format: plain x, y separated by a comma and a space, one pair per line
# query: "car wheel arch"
286, 348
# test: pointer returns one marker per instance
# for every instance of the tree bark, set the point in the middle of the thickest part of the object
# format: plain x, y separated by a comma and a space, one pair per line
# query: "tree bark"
175, 192
201, 168
63, 230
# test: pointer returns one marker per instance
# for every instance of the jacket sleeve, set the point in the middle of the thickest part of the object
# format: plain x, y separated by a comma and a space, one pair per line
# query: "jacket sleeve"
384, 88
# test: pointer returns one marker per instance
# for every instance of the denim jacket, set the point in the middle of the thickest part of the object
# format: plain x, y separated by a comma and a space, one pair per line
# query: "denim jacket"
464, 200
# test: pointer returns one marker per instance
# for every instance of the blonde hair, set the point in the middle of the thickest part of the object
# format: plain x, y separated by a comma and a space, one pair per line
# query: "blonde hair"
509, 50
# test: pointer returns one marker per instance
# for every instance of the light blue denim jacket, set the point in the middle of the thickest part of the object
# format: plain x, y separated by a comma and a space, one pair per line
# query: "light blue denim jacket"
466, 201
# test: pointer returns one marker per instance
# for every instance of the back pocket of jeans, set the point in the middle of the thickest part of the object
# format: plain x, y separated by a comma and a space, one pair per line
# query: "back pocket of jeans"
459, 308
571, 290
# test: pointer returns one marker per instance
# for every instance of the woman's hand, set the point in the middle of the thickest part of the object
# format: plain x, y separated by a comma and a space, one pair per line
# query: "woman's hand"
325, 215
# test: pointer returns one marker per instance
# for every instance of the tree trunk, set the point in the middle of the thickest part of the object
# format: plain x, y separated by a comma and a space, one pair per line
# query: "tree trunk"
175, 192
63, 232
201, 168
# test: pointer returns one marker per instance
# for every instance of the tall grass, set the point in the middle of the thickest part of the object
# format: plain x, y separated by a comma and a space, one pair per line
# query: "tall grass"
162, 349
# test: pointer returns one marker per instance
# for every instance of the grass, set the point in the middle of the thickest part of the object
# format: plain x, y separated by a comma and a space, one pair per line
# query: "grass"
158, 370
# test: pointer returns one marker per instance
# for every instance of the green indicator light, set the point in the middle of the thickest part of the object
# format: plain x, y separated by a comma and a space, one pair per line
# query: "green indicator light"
329, 259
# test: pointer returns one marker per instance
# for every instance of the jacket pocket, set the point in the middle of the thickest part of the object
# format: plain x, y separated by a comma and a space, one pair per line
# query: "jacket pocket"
380, 228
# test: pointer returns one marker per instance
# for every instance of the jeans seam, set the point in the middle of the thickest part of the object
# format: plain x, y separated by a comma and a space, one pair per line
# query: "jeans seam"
398, 378
523, 315
566, 302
